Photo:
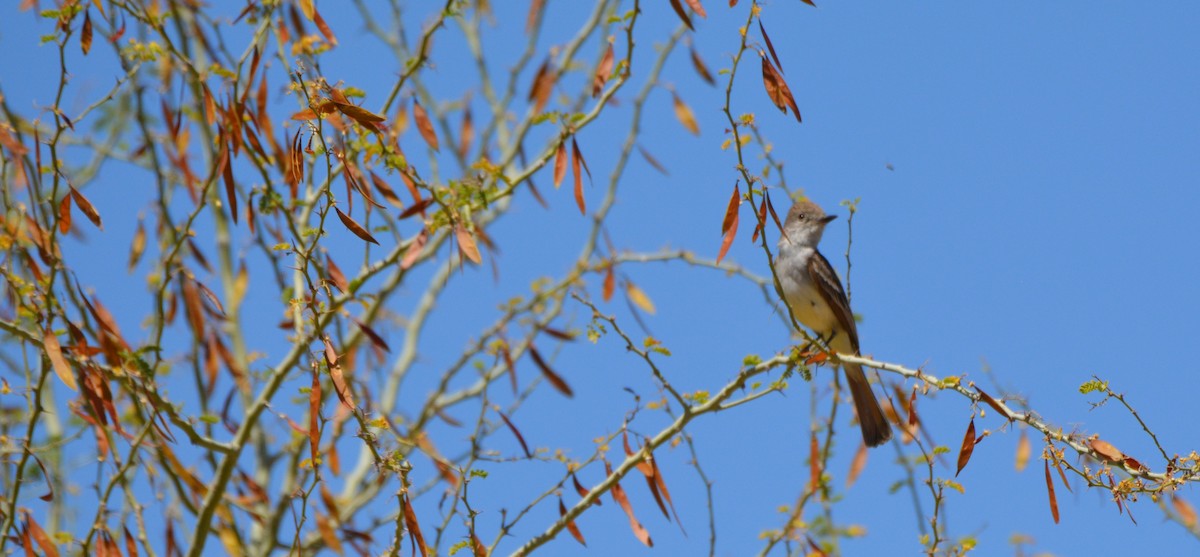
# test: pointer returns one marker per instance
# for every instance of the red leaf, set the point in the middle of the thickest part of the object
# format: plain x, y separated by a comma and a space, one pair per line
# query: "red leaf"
576, 161
314, 412
701, 68
560, 163
571, 527
543, 86
86, 206
777, 89
414, 529
466, 244
424, 125
85, 35
64, 214
992, 402
582, 491
516, 433
535, 9
770, 46
675, 5
324, 28
968, 446
386, 191
466, 134
730, 223
857, 465
618, 495
555, 380
371, 334
814, 462
1050, 492
603, 71
414, 249
653, 162
336, 276
610, 283
354, 227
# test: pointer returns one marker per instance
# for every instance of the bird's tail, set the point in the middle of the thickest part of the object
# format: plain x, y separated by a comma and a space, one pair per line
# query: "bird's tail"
875, 428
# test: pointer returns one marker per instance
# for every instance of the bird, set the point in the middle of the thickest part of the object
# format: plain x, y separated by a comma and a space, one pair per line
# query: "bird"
814, 293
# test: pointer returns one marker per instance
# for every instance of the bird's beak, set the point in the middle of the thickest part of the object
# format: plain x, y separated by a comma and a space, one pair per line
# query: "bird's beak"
827, 219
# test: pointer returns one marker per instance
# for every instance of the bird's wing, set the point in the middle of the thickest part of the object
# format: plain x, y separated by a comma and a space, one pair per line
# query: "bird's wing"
831, 290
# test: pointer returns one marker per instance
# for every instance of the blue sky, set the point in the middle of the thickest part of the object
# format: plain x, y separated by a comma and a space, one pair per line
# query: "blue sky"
1028, 180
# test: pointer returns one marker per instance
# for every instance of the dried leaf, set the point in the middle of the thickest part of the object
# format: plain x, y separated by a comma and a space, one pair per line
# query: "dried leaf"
535, 9
64, 214
760, 220
130, 544
466, 244
414, 529
684, 114
418, 207
968, 446
1185, 510
1133, 464
610, 283
729, 224
560, 163
328, 534
386, 191
85, 35
603, 71
582, 491
646, 467
314, 413
414, 249
662, 488
324, 28
1062, 475
1105, 450
211, 297
543, 86
364, 117
39, 536
993, 403
571, 527
653, 162
814, 462
770, 46
639, 298
86, 206
555, 380
702, 69
424, 125
516, 433
771, 209
1050, 492
354, 227
857, 465
618, 495
696, 7
371, 334
331, 355
576, 160
336, 276
679, 11
778, 90
137, 247
1024, 449
225, 168
466, 133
